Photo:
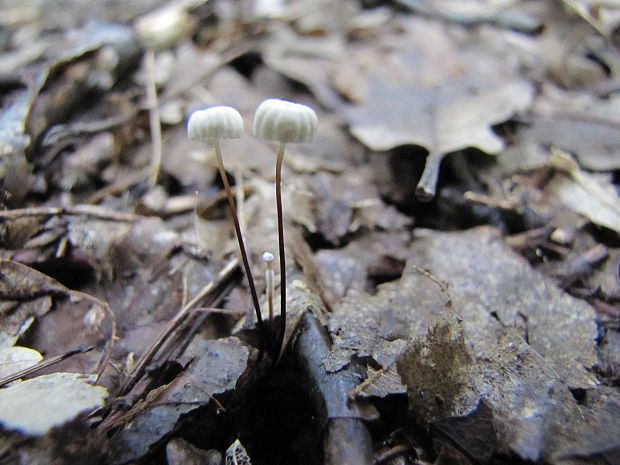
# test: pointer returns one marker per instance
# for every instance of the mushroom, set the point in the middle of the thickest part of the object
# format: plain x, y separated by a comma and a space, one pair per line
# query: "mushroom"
269, 281
211, 125
284, 122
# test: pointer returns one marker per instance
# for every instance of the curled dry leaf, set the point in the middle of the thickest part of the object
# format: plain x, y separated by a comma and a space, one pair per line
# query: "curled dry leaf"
25, 294
583, 193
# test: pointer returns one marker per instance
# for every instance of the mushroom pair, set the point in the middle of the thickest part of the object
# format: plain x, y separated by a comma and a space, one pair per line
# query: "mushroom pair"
276, 120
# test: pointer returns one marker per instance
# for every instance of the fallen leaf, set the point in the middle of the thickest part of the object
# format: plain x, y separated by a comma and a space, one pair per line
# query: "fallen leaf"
492, 289
442, 119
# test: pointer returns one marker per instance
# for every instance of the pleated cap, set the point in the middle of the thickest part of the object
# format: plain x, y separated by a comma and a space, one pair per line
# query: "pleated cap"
219, 122
283, 121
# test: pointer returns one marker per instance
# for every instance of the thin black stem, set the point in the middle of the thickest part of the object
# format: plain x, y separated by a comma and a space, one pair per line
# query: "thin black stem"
242, 250
281, 251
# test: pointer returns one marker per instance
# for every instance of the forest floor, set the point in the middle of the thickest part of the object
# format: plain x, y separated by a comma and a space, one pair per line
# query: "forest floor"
452, 233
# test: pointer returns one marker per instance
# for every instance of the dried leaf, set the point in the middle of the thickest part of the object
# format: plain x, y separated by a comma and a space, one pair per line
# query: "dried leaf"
37, 405
441, 119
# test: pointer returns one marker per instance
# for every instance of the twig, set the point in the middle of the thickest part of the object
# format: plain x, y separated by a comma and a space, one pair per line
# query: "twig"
118, 186
93, 211
154, 121
502, 204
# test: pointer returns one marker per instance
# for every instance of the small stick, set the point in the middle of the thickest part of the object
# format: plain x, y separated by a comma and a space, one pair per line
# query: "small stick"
93, 211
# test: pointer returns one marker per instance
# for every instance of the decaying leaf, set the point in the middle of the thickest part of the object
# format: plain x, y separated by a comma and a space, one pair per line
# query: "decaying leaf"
578, 122
493, 290
37, 405
180, 452
508, 399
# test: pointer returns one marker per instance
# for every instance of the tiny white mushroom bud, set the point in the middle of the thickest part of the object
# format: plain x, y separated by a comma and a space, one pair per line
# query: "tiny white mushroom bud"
219, 122
268, 257
285, 122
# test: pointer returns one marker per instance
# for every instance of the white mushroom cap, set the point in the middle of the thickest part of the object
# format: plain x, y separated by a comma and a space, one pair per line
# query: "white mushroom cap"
283, 121
268, 257
215, 123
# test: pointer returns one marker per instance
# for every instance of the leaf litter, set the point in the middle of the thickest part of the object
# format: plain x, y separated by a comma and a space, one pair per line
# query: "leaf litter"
497, 362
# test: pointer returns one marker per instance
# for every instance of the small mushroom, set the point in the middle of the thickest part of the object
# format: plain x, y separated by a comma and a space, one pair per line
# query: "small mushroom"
211, 125
269, 281
284, 122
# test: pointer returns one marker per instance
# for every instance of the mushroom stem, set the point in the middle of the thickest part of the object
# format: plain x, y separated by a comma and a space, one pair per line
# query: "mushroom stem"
281, 251
154, 121
269, 283
242, 250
